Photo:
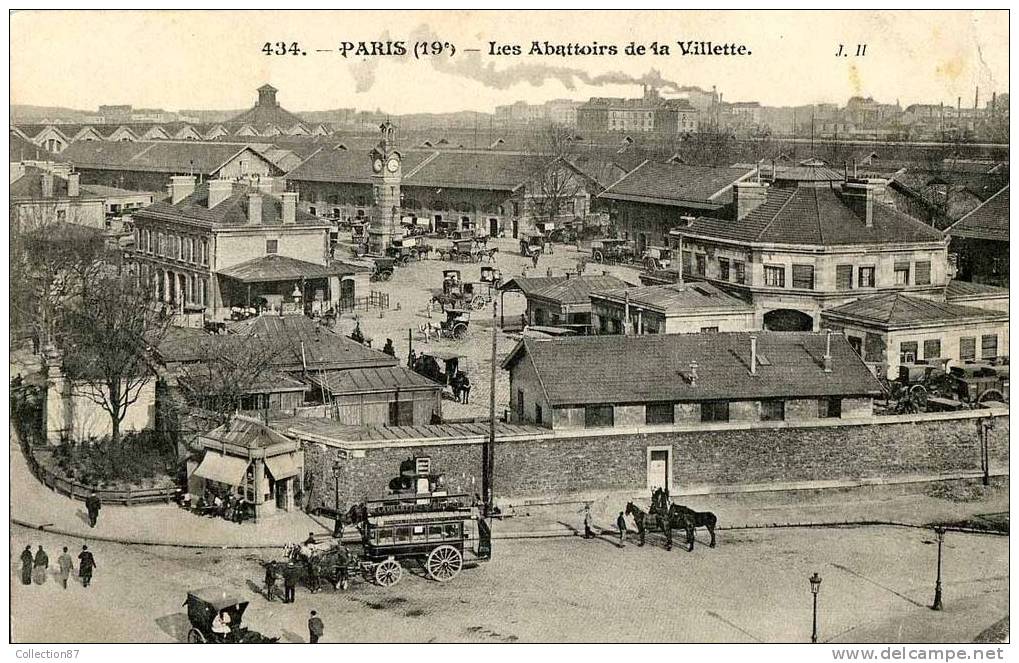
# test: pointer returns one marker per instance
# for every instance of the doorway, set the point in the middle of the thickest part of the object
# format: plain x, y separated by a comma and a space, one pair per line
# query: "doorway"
516, 228
493, 227
659, 462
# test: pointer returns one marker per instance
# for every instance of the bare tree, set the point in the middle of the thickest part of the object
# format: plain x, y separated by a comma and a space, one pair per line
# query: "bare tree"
555, 184
107, 343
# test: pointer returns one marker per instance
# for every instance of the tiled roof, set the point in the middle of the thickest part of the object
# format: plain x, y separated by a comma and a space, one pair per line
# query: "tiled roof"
678, 298
988, 221
308, 343
202, 158
246, 432
104, 191
637, 369
281, 268
957, 289
231, 212
604, 172
817, 216
262, 115
528, 285
576, 289
807, 171
334, 165
476, 170
675, 184
896, 310
29, 186
23, 150
369, 380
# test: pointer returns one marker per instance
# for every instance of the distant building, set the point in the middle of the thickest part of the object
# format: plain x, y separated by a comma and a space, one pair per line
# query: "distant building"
677, 308
650, 113
667, 379
522, 114
560, 301
39, 198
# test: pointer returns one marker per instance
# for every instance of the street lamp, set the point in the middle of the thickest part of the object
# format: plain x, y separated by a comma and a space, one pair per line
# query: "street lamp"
940, 532
815, 587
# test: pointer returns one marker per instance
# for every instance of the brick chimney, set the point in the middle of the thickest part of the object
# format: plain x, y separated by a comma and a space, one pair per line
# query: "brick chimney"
748, 196
827, 352
861, 194
289, 199
254, 208
74, 185
181, 186
219, 190
753, 355
47, 185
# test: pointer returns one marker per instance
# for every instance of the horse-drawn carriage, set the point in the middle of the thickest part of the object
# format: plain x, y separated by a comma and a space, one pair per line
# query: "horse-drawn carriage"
437, 365
612, 250
657, 258
963, 385
414, 226
456, 324
456, 293
531, 245
383, 269
491, 275
405, 249
215, 616
468, 250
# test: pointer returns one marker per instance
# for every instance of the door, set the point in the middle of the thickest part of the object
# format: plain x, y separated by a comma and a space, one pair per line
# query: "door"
493, 227
281, 494
658, 469
516, 228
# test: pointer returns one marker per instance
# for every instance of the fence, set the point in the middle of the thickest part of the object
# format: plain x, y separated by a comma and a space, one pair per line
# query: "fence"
377, 300
76, 491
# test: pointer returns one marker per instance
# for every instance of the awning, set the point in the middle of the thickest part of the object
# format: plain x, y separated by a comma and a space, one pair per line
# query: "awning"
283, 466
224, 469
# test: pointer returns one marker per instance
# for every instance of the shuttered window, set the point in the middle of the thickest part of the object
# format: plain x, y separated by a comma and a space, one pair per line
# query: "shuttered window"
866, 277
774, 276
659, 413
988, 346
715, 411
598, 416
907, 352
902, 273
932, 349
739, 269
923, 273
803, 277
723, 269
844, 277
967, 348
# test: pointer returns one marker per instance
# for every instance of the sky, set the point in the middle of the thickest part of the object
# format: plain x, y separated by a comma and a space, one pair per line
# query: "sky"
213, 59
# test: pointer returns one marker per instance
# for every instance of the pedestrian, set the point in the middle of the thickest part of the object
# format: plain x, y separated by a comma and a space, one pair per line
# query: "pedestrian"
338, 527
310, 540
66, 566
289, 582
621, 524
465, 389
315, 627
534, 258
40, 566
26, 565
86, 563
92, 505
270, 581
588, 531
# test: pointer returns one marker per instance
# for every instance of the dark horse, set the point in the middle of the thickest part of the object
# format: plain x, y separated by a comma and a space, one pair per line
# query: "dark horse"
685, 518
697, 519
656, 518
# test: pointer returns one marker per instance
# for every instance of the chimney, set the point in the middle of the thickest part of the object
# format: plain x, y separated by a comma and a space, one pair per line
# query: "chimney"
748, 196
47, 185
219, 190
74, 185
753, 355
181, 186
827, 352
860, 194
693, 374
254, 208
289, 199
265, 184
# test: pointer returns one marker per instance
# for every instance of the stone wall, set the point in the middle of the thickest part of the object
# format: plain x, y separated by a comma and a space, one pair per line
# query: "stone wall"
716, 455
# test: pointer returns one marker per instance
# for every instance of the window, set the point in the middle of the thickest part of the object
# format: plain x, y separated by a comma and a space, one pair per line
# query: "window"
988, 346
902, 273
205, 252
272, 245
702, 261
520, 404
715, 411
803, 277
538, 415
401, 413
856, 343
923, 272
907, 352
709, 330
844, 277
740, 270
829, 408
932, 348
967, 348
774, 276
687, 262
659, 413
772, 410
597, 416
866, 277
723, 269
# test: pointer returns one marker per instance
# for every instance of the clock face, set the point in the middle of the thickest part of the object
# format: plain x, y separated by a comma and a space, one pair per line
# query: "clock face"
393, 164
377, 166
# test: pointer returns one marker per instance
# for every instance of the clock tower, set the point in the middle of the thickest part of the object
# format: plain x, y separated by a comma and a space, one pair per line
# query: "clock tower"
386, 177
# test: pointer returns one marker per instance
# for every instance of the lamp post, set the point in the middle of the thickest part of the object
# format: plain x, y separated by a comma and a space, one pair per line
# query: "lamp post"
940, 532
815, 587
336, 487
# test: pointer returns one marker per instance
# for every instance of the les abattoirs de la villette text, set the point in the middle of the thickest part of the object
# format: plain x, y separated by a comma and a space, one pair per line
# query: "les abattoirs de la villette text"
632, 48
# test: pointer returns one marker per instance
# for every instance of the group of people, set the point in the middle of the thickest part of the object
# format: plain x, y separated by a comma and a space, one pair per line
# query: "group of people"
227, 505
35, 567
287, 574
461, 385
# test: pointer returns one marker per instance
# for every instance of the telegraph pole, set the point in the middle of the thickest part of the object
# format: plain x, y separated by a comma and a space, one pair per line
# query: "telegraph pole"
488, 452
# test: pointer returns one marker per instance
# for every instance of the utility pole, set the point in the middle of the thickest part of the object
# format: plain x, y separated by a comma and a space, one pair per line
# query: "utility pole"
488, 452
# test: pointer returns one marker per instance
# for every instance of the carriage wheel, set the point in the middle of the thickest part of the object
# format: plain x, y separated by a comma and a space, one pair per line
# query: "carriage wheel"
478, 303
991, 395
598, 257
405, 260
649, 265
460, 332
388, 572
918, 396
444, 563
386, 276
195, 636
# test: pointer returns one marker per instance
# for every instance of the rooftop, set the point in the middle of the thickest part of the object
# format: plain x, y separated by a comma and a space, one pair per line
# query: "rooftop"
575, 289
246, 432
233, 211
331, 164
180, 157
896, 310
274, 267
989, 221
675, 184
957, 290
678, 299
653, 368
371, 380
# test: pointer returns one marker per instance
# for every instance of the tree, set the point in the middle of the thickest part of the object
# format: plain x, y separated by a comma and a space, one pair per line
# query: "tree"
107, 342
555, 184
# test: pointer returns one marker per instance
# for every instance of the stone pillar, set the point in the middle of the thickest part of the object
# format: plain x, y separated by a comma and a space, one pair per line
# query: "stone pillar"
57, 411
166, 287
334, 291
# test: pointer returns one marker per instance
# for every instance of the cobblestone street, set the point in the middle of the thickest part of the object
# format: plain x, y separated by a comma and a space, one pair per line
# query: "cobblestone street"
877, 584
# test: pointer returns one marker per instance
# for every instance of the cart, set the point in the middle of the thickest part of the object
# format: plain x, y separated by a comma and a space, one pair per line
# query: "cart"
657, 258
204, 604
531, 245
438, 365
612, 250
491, 275
456, 324
383, 269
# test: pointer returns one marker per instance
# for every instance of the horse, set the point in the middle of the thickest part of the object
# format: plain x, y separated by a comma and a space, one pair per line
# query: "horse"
697, 519
676, 516
638, 516
657, 517
489, 254
315, 566
429, 329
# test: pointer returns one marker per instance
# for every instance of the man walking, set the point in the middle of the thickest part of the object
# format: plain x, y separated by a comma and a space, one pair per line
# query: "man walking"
40, 566
66, 566
289, 583
621, 524
270, 581
92, 505
588, 522
86, 563
26, 565
315, 628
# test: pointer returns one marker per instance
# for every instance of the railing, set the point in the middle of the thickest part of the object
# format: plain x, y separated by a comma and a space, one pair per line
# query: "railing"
374, 299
